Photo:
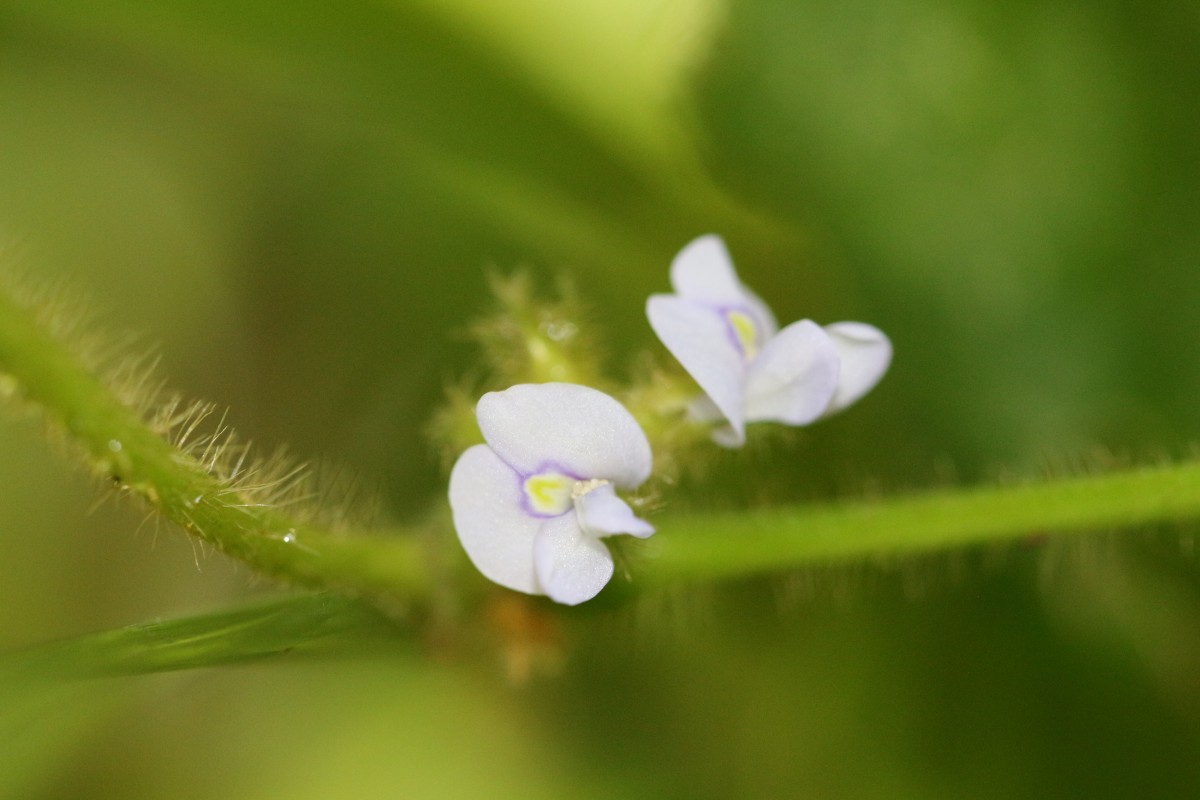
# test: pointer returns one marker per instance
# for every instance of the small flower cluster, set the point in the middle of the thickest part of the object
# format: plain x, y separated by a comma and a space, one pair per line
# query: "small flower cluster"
531, 505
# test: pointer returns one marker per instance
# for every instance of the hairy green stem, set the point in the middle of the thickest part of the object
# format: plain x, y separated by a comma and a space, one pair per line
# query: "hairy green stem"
714, 546
121, 446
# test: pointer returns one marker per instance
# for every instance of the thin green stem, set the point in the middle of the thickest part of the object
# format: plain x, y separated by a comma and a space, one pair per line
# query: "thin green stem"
714, 546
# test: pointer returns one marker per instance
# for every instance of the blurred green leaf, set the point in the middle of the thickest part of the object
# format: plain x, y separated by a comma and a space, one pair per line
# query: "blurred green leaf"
294, 624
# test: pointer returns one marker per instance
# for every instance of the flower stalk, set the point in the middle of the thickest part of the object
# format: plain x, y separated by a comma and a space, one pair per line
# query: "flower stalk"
400, 570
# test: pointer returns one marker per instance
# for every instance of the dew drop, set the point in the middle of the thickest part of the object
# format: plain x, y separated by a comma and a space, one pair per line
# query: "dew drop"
114, 445
290, 536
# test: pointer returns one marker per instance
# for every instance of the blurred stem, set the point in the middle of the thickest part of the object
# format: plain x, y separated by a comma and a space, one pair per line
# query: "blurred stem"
715, 546
306, 622
119, 446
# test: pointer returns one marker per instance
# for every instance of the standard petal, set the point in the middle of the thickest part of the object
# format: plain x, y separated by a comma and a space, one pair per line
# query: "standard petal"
567, 428
703, 272
571, 566
794, 377
494, 529
699, 338
761, 311
865, 353
604, 514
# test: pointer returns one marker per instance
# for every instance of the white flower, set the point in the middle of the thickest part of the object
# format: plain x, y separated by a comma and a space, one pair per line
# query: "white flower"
531, 505
751, 371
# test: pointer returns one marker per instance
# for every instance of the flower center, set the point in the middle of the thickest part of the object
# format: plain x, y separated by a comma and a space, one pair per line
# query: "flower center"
549, 493
552, 493
745, 331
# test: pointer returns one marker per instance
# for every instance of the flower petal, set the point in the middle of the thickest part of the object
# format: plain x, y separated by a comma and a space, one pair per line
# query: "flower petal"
726, 436
761, 312
604, 514
494, 530
794, 377
703, 272
571, 566
699, 339
569, 428
865, 353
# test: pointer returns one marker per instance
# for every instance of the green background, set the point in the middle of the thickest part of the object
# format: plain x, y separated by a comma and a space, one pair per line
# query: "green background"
298, 204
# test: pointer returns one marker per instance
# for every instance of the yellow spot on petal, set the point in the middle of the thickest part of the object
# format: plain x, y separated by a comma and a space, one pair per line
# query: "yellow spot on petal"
549, 492
746, 332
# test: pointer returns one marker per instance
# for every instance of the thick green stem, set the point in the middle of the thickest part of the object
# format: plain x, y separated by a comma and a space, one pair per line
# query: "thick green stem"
120, 445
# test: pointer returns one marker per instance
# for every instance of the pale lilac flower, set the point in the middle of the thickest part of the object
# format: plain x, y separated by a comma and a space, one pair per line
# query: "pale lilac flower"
750, 371
531, 505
